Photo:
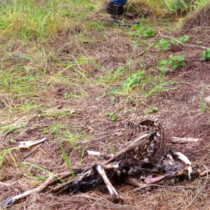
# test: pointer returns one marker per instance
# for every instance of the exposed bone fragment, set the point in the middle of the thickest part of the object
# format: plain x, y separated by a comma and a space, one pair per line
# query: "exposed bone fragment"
144, 155
184, 140
27, 144
110, 187
183, 158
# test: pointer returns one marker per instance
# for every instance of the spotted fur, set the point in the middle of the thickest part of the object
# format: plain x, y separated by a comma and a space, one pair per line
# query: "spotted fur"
155, 146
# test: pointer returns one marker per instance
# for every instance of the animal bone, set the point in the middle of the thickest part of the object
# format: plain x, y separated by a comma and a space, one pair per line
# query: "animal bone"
111, 189
142, 156
145, 146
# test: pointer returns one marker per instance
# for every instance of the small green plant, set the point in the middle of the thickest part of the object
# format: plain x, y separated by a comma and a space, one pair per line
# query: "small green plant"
98, 26
184, 38
163, 44
73, 139
7, 129
199, 42
112, 116
112, 92
163, 65
152, 110
133, 80
138, 31
38, 178
56, 113
25, 164
67, 161
177, 61
206, 55
143, 31
112, 77
90, 7
173, 63
161, 87
148, 33
54, 129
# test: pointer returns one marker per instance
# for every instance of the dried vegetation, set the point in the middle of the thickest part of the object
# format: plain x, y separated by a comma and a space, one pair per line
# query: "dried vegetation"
76, 85
200, 18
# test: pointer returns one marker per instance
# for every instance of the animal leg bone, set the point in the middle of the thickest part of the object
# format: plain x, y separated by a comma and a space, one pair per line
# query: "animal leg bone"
99, 154
135, 182
109, 185
153, 180
184, 159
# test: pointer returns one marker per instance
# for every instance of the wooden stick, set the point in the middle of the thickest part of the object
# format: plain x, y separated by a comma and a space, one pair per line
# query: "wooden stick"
13, 199
176, 40
51, 180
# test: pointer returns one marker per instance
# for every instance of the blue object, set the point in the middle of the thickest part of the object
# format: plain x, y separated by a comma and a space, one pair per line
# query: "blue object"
119, 2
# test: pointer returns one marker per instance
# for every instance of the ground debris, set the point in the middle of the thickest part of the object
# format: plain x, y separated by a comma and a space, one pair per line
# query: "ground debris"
141, 158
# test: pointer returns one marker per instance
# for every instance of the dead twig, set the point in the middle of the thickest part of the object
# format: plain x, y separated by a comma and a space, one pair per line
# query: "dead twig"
151, 44
13, 199
183, 44
51, 180
8, 184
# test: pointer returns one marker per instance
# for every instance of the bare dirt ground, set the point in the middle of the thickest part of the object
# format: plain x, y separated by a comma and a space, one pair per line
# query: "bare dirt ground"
179, 110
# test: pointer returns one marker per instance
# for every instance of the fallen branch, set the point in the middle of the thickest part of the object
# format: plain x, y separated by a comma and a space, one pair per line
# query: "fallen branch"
51, 180
148, 182
13, 199
7, 184
151, 44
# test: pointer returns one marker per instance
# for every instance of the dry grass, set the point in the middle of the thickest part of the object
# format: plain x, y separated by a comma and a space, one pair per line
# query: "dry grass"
141, 9
199, 18
77, 80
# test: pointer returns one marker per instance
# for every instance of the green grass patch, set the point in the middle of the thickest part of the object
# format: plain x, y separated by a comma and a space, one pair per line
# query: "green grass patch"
67, 161
173, 63
19, 82
7, 129
142, 30
7, 153
205, 55
30, 20
40, 168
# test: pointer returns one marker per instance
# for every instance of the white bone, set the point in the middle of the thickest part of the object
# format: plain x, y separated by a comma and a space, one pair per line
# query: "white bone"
90, 152
27, 144
109, 186
183, 158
